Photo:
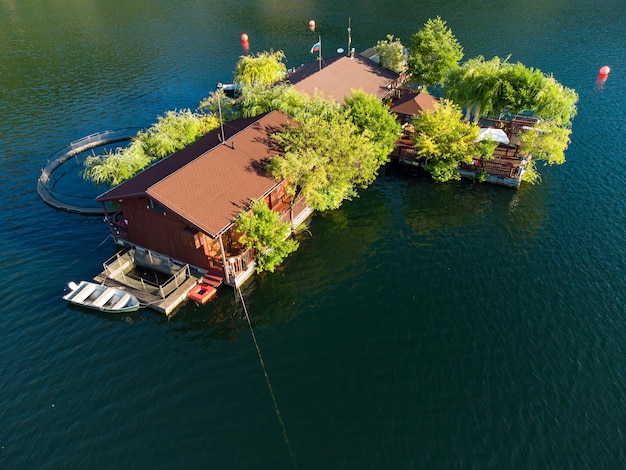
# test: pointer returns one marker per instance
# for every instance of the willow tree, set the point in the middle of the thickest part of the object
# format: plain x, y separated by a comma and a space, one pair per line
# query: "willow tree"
391, 54
478, 87
444, 140
258, 99
546, 141
172, 132
264, 68
433, 52
495, 87
217, 102
263, 231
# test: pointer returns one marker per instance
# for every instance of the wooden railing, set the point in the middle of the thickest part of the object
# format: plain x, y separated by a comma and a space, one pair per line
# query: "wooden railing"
241, 262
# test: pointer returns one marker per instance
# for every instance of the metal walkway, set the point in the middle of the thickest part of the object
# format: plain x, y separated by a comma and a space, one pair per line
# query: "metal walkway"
46, 181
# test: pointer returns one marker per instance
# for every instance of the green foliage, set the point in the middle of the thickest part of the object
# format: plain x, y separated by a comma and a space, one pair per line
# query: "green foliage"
391, 53
433, 52
494, 87
556, 102
116, 167
486, 148
263, 68
215, 101
445, 141
258, 99
328, 157
263, 231
531, 175
172, 132
546, 141
370, 115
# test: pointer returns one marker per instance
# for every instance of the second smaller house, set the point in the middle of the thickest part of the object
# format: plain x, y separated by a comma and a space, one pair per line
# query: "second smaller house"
408, 105
411, 104
185, 207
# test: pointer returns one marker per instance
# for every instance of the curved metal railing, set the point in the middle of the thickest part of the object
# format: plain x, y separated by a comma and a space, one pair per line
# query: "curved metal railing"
47, 179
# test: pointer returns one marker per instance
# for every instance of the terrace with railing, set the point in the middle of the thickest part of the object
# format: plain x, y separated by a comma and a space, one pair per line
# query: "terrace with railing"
146, 272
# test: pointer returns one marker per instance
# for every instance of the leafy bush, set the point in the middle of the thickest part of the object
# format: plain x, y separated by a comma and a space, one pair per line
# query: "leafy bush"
172, 132
391, 53
264, 68
263, 231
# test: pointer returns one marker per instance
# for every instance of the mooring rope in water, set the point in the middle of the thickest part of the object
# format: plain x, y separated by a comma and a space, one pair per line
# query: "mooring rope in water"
267, 379
90, 251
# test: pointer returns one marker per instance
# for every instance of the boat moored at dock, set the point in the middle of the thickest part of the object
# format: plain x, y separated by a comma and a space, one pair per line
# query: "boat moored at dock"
101, 298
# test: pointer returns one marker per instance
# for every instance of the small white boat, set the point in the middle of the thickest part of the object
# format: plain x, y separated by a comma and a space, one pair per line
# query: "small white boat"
102, 298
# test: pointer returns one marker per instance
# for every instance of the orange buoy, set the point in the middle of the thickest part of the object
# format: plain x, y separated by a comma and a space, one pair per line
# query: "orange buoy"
244, 37
312, 25
604, 71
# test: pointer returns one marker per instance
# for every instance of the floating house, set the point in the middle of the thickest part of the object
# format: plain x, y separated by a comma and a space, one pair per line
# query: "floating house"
411, 104
184, 208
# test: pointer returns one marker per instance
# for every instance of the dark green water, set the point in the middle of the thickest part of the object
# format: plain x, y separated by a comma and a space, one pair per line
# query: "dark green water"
420, 326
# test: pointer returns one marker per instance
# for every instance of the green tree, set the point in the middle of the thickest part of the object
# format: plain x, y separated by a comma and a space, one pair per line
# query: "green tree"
116, 167
391, 54
373, 117
266, 234
495, 87
172, 132
218, 102
556, 102
445, 141
327, 158
433, 52
264, 68
546, 141
258, 99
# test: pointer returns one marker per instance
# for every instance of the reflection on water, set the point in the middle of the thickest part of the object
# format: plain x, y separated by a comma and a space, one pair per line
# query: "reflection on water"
418, 326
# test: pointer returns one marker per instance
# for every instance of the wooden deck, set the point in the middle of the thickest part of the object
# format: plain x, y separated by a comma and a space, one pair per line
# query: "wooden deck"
505, 168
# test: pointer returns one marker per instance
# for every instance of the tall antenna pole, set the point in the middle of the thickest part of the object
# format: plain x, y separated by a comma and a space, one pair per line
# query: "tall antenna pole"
220, 87
349, 37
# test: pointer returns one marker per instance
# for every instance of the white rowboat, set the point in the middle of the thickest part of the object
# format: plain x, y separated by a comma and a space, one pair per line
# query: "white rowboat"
102, 298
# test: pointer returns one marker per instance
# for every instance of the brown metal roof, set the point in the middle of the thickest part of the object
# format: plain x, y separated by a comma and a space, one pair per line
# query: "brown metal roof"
411, 104
340, 75
209, 183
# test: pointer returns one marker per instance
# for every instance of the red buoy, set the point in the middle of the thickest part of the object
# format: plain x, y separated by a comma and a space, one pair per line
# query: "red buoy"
244, 42
312, 25
604, 71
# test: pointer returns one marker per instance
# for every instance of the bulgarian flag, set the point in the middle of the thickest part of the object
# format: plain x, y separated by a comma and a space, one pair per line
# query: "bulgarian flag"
316, 47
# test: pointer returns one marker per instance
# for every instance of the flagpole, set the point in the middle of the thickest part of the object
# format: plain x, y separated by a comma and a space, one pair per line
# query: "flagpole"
319, 55
349, 37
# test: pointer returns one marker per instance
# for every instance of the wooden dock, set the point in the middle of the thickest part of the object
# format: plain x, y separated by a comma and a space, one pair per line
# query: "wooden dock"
154, 302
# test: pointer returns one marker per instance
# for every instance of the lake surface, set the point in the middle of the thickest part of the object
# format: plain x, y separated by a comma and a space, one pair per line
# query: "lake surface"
421, 325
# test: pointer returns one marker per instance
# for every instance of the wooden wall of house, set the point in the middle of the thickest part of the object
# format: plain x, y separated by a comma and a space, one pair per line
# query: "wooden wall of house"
154, 228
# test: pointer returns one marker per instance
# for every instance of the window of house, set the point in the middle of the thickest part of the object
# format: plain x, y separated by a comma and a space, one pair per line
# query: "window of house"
156, 207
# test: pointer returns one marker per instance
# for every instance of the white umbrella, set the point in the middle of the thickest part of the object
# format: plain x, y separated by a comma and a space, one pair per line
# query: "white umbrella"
489, 133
